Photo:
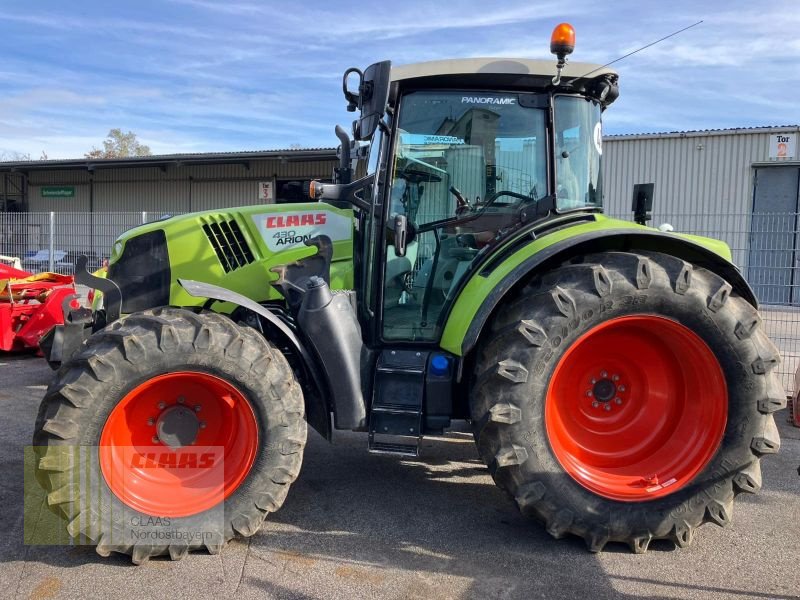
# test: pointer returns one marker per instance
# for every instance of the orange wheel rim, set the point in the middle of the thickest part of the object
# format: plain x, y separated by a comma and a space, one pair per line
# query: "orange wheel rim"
178, 444
636, 408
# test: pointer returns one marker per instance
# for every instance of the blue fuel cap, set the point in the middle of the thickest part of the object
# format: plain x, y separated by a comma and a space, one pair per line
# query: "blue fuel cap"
439, 365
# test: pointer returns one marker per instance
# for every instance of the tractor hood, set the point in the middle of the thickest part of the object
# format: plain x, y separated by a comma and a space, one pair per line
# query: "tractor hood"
235, 248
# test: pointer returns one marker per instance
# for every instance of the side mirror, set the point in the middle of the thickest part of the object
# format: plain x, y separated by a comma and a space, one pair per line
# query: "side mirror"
642, 202
372, 98
400, 234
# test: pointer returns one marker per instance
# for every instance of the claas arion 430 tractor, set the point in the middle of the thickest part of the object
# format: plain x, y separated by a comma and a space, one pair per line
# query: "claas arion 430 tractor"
617, 378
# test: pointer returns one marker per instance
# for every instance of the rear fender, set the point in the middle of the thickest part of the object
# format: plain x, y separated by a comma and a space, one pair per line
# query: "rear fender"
485, 290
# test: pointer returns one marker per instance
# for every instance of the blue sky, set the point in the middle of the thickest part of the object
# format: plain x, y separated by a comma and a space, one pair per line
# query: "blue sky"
205, 75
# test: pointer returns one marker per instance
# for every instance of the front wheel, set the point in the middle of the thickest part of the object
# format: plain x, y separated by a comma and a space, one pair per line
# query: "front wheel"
626, 397
169, 431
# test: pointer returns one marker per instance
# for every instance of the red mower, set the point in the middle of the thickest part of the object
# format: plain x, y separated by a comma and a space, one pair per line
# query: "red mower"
31, 305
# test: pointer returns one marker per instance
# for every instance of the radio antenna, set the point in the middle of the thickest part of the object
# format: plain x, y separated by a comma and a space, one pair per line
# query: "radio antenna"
666, 37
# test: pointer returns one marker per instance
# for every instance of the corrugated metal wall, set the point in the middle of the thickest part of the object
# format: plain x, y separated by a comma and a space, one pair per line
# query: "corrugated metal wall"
693, 172
703, 180
173, 190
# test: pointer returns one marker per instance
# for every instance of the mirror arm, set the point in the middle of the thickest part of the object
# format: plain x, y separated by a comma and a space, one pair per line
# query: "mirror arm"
353, 100
342, 192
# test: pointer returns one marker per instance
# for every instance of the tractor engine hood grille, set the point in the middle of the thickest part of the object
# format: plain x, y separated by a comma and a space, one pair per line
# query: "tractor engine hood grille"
228, 243
142, 272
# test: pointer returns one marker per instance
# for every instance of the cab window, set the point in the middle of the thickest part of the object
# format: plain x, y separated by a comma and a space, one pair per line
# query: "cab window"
464, 164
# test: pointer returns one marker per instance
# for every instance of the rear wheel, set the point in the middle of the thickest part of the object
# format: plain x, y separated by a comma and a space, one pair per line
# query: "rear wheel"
170, 431
626, 397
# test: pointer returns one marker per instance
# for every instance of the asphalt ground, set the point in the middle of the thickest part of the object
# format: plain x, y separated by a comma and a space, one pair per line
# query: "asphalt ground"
357, 525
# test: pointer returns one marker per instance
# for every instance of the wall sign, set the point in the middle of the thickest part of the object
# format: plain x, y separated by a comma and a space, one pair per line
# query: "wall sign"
783, 145
266, 191
57, 191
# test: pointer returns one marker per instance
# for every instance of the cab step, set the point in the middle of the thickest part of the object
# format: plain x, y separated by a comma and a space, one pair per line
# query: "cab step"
397, 403
396, 449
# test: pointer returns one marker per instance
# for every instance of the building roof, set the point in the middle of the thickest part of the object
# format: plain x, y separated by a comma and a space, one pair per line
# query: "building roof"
704, 132
163, 160
511, 66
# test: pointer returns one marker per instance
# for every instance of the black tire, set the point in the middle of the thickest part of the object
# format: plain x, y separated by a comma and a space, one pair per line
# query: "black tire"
533, 330
133, 350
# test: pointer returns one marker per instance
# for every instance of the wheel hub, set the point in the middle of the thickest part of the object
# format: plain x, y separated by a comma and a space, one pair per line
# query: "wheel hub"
177, 426
604, 390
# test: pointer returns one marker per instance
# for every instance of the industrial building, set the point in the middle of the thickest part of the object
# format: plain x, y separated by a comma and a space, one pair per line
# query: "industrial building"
55, 210
740, 185
174, 183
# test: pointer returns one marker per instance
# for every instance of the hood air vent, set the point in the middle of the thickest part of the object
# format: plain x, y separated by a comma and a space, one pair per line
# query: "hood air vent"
229, 244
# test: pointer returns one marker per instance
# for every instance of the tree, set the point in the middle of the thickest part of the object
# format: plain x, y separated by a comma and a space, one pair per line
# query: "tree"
14, 156
119, 145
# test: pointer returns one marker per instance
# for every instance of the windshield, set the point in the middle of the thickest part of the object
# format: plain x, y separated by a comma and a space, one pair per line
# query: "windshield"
478, 143
471, 160
578, 149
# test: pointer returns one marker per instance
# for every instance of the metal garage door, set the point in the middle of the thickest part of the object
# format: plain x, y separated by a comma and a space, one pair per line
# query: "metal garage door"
773, 264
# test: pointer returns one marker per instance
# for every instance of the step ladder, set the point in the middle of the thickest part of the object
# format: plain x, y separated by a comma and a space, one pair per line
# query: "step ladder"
395, 420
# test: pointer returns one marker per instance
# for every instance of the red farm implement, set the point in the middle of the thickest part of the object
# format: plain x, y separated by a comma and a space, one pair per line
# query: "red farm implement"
31, 305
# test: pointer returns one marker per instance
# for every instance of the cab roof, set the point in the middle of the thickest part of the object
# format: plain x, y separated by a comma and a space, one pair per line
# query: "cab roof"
496, 66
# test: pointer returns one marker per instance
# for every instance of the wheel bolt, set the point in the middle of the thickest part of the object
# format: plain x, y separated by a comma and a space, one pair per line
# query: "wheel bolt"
594, 380
621, 388
595, 404
181, 399
162, 405
603, 374
607, 407
202, 424
589, 393
197, 408
155, 439
617, 400
615, 378
151, 421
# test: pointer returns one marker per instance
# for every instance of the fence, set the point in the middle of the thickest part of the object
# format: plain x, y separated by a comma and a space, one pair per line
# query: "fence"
54, 241
764, 246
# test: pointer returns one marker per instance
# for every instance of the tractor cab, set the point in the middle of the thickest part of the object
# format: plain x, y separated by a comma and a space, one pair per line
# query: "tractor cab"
464, 155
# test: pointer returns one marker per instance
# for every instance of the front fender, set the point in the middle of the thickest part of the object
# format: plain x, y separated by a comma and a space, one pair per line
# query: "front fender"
486, 288
317, 409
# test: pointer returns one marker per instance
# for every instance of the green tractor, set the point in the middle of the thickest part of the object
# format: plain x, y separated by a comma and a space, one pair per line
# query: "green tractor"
459, 267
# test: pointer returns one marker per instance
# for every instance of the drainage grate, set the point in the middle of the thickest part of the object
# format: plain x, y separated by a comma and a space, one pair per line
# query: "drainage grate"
229, 244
